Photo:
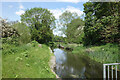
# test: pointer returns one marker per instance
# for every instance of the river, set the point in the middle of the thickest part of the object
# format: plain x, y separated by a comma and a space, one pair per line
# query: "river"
70, 65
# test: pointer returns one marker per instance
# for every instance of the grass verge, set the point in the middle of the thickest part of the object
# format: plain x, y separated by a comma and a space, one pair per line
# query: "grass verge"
26, 61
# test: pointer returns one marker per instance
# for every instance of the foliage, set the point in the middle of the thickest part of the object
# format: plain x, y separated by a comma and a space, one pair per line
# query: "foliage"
41, 23
66, 18
15, 33
12, 48
59, 39
24, 32
13, 40
43, 35
101, 23
69, 45
74, 31
7, 31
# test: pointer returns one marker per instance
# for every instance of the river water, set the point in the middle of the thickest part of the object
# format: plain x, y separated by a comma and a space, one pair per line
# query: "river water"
70, 65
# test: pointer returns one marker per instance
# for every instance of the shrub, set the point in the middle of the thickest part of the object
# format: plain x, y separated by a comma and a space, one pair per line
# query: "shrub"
24, 32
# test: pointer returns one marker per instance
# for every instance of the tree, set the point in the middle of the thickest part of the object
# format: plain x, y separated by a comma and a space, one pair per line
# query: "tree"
74, 30
41, 23
59, 39
101, 23
66, 18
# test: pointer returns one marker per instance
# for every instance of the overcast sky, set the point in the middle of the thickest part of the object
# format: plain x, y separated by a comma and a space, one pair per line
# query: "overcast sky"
13, 10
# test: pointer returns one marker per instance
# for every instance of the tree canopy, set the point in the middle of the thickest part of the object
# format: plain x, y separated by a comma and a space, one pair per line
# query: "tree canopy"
66, 18
101, 23
74, 30
41, 23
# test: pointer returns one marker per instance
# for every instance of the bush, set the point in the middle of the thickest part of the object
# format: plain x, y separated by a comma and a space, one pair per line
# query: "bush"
34, 43
13, 40
24, 32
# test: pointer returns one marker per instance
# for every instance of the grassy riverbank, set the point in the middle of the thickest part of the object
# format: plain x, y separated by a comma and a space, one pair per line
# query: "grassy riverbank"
108, 53
26, 61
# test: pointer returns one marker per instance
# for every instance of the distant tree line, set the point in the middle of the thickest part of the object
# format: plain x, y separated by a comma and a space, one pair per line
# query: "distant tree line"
36, 24
100, 25
59, 39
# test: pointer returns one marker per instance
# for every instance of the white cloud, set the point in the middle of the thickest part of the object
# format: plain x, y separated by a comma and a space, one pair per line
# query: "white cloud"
21, 7
20, 12
58, 12
73, 9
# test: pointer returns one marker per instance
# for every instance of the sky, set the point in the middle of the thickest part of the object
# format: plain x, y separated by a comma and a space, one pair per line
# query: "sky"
13, 10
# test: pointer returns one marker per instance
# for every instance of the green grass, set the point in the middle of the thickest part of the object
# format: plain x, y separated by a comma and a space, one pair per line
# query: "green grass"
26, 61
108, 53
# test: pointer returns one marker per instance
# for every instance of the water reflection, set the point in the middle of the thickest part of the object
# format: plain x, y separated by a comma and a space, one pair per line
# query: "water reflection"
60, 57
76, 66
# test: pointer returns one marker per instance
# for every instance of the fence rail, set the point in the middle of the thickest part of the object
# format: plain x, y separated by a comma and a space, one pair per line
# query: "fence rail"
110, 67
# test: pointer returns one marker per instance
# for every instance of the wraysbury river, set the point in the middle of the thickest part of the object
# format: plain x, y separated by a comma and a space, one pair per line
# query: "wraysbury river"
70, 65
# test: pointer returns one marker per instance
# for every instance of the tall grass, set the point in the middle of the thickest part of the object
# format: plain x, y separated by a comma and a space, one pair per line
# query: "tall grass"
108, 53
